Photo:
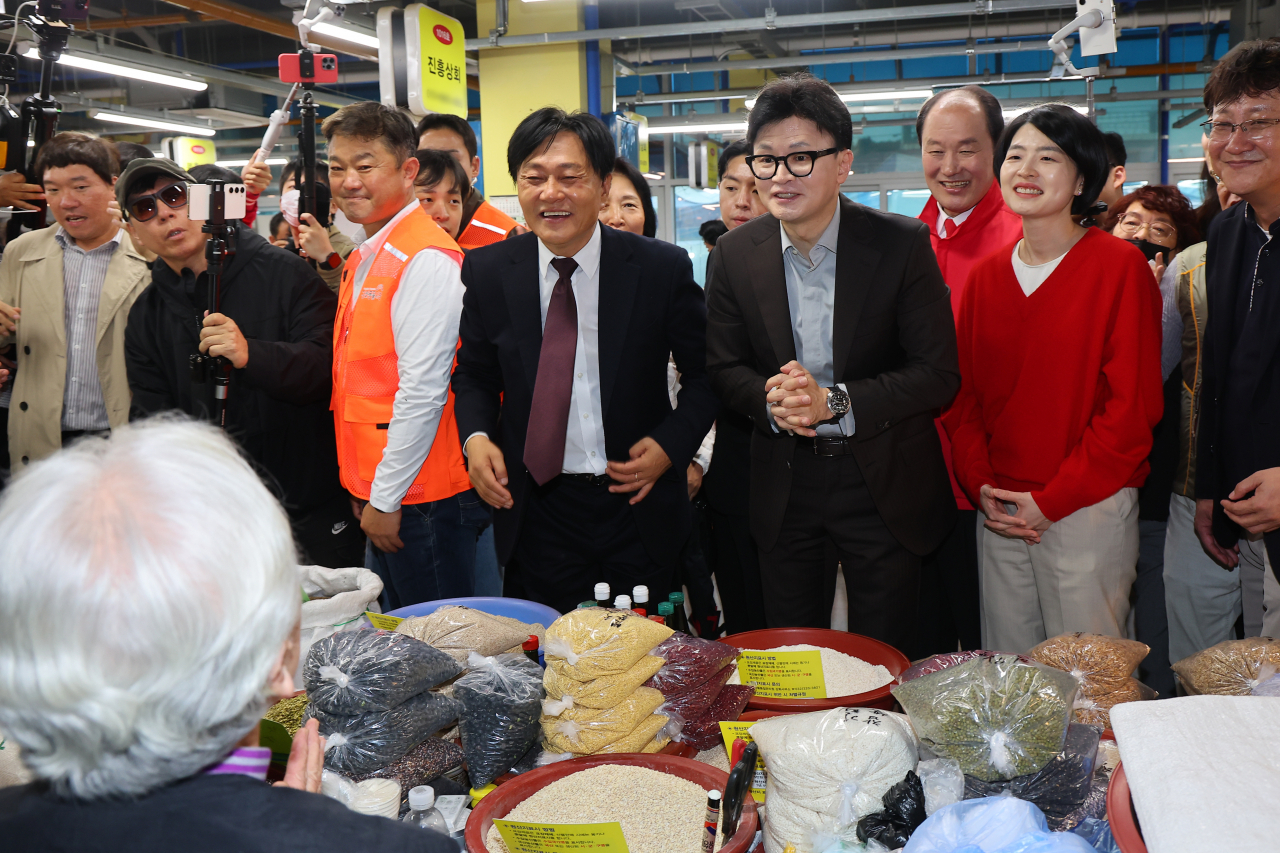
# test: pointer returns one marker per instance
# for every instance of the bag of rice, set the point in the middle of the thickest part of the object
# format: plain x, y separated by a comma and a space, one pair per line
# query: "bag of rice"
650, 729
1231, 668
362, 743
501, 700
592, 642
457, 631
355, 672
585, 730
998, 717
828, 769
690, 661
603, 692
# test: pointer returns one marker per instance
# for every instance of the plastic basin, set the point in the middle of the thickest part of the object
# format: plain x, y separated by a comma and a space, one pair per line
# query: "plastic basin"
504, 798
1123, 817
870, 650
516, 608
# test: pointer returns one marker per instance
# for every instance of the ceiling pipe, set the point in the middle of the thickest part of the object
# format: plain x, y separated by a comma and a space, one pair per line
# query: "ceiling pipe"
768, 22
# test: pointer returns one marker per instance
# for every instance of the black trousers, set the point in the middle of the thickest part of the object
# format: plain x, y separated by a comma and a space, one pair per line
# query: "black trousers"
831, 514
575, 534
950, 612
329, 535
735, 560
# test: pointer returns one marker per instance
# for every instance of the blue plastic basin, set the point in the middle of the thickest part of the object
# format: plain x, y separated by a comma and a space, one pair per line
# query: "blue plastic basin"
516, 608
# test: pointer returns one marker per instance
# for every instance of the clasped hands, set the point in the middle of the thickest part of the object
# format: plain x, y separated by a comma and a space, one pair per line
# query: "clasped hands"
795, 400
1027, 523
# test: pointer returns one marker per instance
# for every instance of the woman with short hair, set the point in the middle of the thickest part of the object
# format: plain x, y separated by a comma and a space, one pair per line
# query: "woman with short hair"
1059, 343
630, 203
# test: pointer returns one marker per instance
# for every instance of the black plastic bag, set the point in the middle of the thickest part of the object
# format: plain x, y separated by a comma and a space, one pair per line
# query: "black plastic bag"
1061, 786
362, 743
354, 672
501, 713
903, 812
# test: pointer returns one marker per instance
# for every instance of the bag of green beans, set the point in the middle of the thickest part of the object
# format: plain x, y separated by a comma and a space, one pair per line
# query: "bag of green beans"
998, 717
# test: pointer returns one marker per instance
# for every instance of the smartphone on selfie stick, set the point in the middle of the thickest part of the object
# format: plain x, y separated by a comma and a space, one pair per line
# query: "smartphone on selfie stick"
219, 205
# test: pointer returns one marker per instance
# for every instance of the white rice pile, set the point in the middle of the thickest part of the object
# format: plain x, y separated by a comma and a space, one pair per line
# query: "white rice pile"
844, 674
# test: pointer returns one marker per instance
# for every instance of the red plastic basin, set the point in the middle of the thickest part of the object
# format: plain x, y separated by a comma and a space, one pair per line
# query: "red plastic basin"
1123, 817
504, 798
856, 645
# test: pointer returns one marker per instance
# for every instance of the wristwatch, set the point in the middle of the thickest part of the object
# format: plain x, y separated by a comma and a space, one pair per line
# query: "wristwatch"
838, 402
333, 261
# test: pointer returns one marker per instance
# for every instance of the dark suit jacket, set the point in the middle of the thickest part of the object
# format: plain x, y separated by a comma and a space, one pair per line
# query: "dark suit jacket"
650, 308
1226, 263
895, 350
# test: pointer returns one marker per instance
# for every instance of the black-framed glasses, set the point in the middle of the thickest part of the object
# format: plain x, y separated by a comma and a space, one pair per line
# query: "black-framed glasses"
1256, 129
799, 163
146, 207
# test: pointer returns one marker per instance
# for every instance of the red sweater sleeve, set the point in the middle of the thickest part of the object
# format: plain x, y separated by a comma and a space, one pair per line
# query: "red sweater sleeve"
250, 209
971, 460
1115, 445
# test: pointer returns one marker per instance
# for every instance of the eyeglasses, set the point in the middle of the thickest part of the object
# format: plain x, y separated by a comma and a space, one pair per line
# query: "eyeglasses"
1130, 224
146, 207
799, 163
1257, 129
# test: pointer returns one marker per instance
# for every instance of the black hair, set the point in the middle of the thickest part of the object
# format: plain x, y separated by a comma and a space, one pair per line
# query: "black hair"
206, 171
435, 166
539, 129
71, 148
712, 230
275, 224
369, 120
803, 96
445, 121
731, 152
293, 168
1116, 153
1249, 69
1078, 138
130, 151
987, 102
623, 167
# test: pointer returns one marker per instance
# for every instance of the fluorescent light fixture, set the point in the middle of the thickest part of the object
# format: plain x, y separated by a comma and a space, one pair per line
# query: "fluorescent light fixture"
229, 164
854, 97
1186, 159
353, 36
133, 73
146, 121
1011, 112
653, 176
732, 126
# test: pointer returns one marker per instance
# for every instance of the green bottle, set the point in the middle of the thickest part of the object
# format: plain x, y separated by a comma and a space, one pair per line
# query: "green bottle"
677, 621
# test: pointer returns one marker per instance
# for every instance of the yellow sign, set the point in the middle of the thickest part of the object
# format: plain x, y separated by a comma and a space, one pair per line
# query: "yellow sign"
188, 151
783, 675
713, 165
738, 731
437, 61
557, 837
383, 621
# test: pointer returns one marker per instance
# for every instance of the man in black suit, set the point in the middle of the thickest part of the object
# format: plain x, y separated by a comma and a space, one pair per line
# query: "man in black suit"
561, 384
829, 325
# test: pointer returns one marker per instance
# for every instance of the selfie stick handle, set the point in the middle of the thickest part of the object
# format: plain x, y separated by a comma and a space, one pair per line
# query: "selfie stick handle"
278, 120
217, 252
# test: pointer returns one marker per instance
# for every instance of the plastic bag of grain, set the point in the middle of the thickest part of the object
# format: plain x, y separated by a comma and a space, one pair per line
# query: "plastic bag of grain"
603, 692
361, 743
355, 672
694, 703
591, 642
828, 769
583, 730
998, 717
429, 759
1058, 788
501, 700
1097, 711
690, 661
1231, 668
1103, 666
704, 731
649, 730
457, 631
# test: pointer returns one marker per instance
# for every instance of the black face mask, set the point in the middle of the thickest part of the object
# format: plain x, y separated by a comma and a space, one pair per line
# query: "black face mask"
1152, 249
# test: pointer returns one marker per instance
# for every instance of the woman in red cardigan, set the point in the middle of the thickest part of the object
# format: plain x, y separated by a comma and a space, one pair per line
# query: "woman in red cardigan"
1059, 340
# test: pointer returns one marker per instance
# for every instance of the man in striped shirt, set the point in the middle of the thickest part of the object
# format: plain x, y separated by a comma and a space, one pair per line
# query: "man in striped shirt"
65, 294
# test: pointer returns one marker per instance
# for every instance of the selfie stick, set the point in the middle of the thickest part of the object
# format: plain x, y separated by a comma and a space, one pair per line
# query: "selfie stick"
218, 252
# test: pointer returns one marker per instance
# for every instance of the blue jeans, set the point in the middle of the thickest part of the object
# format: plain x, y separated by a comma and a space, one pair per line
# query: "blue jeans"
439, 554
488, 572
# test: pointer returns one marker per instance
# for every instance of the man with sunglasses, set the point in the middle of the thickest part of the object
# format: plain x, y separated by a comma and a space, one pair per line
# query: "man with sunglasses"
830, 326
274, 324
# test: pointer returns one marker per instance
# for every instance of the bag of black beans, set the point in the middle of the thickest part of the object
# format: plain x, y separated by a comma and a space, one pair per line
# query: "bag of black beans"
500, 719
361, 743
1060, 787
354, 672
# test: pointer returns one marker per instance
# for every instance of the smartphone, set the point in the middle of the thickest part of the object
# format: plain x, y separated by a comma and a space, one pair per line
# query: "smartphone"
318, 68
199, 196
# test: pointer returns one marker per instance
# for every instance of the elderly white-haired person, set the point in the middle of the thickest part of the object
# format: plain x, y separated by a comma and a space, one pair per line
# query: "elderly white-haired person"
148, 617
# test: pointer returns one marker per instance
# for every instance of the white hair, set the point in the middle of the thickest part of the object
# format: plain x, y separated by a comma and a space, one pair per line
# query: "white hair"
147, 587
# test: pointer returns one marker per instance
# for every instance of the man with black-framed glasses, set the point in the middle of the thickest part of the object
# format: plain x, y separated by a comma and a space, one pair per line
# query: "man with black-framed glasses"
830, 326
275, 326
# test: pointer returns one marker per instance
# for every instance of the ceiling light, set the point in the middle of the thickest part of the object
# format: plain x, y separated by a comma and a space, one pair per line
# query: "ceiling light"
146, 121
76, 61
903, 95
230, 164
734, 126
353, 36
1186, 159
1011, 112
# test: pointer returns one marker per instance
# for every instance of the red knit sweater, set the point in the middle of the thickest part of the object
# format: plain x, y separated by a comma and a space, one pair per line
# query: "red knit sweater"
1060, 389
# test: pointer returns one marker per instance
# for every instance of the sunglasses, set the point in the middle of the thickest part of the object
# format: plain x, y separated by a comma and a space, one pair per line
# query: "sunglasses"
146, 207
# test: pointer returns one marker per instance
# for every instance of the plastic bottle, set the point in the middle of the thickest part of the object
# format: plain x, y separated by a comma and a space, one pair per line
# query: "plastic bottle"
602, 595
678, 621
640, 600
665, 609
658, 619
530, 647
423, 812
622, 602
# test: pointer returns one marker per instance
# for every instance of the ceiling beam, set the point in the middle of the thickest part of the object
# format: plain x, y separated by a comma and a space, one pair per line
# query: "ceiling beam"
241, 16
127, 21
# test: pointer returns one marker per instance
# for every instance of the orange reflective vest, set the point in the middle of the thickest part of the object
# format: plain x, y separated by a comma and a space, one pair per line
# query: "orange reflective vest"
365, 376
489, 225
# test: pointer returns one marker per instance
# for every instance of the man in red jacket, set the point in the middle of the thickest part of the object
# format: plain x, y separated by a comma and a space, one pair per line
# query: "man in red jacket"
967, 220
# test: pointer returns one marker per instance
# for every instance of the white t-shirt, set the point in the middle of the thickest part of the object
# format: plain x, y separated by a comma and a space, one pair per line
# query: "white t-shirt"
1031, 276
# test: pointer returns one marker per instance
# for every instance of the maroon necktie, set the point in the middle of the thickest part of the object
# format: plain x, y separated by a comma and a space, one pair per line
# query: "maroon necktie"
549, 416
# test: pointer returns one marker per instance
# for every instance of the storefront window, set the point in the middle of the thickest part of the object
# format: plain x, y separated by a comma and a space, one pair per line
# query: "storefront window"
694, 207
907, 202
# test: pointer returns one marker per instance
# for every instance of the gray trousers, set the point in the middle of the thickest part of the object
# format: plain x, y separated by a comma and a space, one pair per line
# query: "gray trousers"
1077, 579
1261, 590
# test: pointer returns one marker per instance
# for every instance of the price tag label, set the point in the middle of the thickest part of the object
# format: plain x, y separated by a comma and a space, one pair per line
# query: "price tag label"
738, 731
784, 675
383, 621
557, 837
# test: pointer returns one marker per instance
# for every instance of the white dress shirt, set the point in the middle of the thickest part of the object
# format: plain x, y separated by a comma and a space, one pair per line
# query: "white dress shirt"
425, 313
943, 217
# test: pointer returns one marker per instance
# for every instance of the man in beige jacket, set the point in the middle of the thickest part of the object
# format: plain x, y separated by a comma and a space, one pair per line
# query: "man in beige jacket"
65, 293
